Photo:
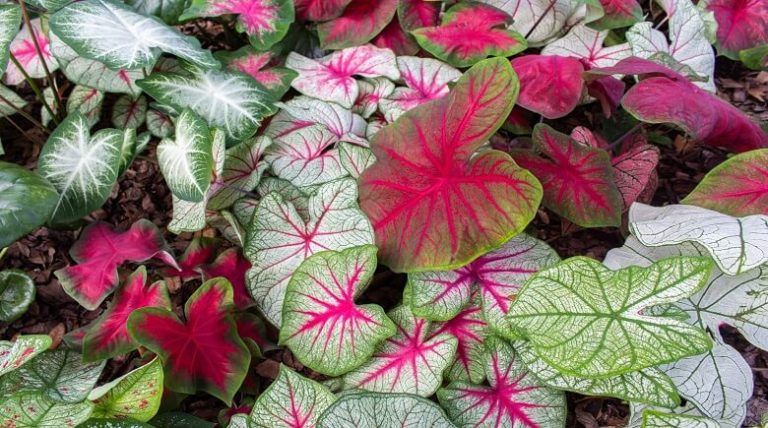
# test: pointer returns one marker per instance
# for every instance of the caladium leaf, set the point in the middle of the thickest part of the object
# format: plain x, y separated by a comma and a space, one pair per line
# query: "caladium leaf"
633, 171
537, 20
579, 314
108, 336
80, 166
187, 159
129, 112
470, 32
470, 330
395, 38
322, 325
167, 10
586, 44
306, 157
243, 166
537, 91
360, 22
200, 251
288, 191
411, 361
376, 410
159, 124
279, 239
331, 78
135, 395
290, 401
320, 10
231, 265
253, 63
740, 25
87, 101
15, 354
10, 20
38, 411
423, 193
355, 159
180, 345
301, 112
28, 201
15, 101
737, 187
100, 251
737, 244
17, 292
577, 179
23, 49
513, 397
662, 419
371, 92
415, 14
114, 34
618, 14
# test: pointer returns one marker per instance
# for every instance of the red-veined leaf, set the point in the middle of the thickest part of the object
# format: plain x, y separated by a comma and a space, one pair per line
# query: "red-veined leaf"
202, 353
23, 49
360, 22
608, 90
372, 91
470, 32
395, 38
577, 180
414, 14
129, 112
432, 207
100, 251
259, 66
26, 347
231, 265
741, 24
470, 330
632, 171
538, 20
586, 44
513, 397
108, 336
199, 251
585, 136
550, 85
306, 157
302, 112
320, 10
411, 361
242, 170
322, 325
159, 124
618, 14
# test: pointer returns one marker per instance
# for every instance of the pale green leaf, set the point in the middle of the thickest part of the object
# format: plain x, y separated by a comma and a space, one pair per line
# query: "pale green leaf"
355, 159
17, 292
135, 395
11, 103
376, 410
241, 172
39, 411
15, 354
27, 203
87, 101
10, 20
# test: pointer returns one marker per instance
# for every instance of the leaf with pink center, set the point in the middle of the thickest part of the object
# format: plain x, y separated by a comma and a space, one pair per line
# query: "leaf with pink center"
199, 251
320, 10
231, 265
372, 91
618, 14
426, 79
331, 78
360, 22
395, 38
108, 336
306, 157
23, 49
513, 396
633, 171
412, 361
129, 112
415, 14
322, 325
203, 352
586, 44
259, 66
550, 85
100, 251
470, 330
740, 24
17, 353
578, 180
302, 112
432, 203
279, 239
470, 32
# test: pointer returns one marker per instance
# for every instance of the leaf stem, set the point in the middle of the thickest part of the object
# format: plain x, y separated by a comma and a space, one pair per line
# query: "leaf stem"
27, 22
35, 88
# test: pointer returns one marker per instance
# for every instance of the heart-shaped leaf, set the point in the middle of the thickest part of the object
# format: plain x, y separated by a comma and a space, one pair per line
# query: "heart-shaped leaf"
87, 101
432, 204
537, 20
159, 124
39, 411
355, 159
360, 22
375, 410
393, 37
10, 20
28, 201
187, 159
633, 171
23, 49
253, 63
231, 265
740, 25
306, 157
17, 292
15, 354
618, 14
129, 112
135, 395
372, 91
301, 112
586, 44
538, 93
470, 330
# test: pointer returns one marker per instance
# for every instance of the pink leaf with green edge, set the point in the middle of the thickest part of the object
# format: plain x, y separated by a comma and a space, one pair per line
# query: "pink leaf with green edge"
411, 361
513, 397
360, 22
395, 38
302, 112
15, 354
426, 80
306, 157
469, 33
108, 336
740, 25
618, 14
331, 78
737, 187
23, 49
204, 353
199, 251
550, 85
100, 251
577, 180
251, 327
586, 44
231, 265
432, 203
633, 170
470, 330
320, 10
322, 325
414, 14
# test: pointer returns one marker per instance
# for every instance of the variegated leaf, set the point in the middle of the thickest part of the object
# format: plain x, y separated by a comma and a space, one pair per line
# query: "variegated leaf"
24, 50
26, 347
306, 157
87, 101
129, 112
38, 411
301, 112
426, 79
10, 19
241, 172
135, 395
376, 410
186, 161
587, 44
543, 19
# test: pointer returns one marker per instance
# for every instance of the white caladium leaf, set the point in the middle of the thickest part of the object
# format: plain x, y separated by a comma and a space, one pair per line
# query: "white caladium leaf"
513, 397
290, 401
410, 362
426, 79
186, 160
135, 395
10, 20
23, 49
15, 354
38, 411
470, 330
688, 43
587, 44
306, 157
301, 112
82, 167
129, 112
737, 244
376, 410
279, 239
371, 92
13, 98
240, 174
331, 78
114, 34
322, 325
87, 101
588, 321
355, 159
659, 419
159, 124
543, 19
228, 100
288, 191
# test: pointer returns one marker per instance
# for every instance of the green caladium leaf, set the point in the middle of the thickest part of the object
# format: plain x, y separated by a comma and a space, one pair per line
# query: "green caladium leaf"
129, 111
17, 292
10, 20
179, 419
135, 395
87, 101
82, 167
167, 10
13, 98
38, 411
187, 159
322, 325
688, 414
588, 321
355, 159
15, 354
159, 124
657, 419
377, 410
28, 201
114, 34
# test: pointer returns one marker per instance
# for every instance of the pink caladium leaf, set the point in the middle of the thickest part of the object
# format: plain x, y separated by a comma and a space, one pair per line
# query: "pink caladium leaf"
100, 251
470, 32
415, 14
737, 187
633, 170
432, 203
395, 38
410, 362
513, 397
470, 330
108, 336
586, 44
331, 78
577, 180
199, 252
302, 112
258, 65
618, 14
250, 326
320, 10
203, 352
231, 265
322, 325
360, 22
23, 49
740, 25
608, 90
550, 85
306, 157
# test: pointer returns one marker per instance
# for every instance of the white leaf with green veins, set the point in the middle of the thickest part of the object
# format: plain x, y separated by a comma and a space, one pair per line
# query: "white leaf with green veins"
87, 101
10, 20
289, 192
15, 354
588, 321
355, 159
13, 98
241, 172
135, 395
376, 410
186, 161
585, 43
113, 33
306, 157
38, 411
656, 419
303, 111
543, 18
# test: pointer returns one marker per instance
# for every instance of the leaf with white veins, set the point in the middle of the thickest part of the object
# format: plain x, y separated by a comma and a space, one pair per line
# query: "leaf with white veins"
187, 159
